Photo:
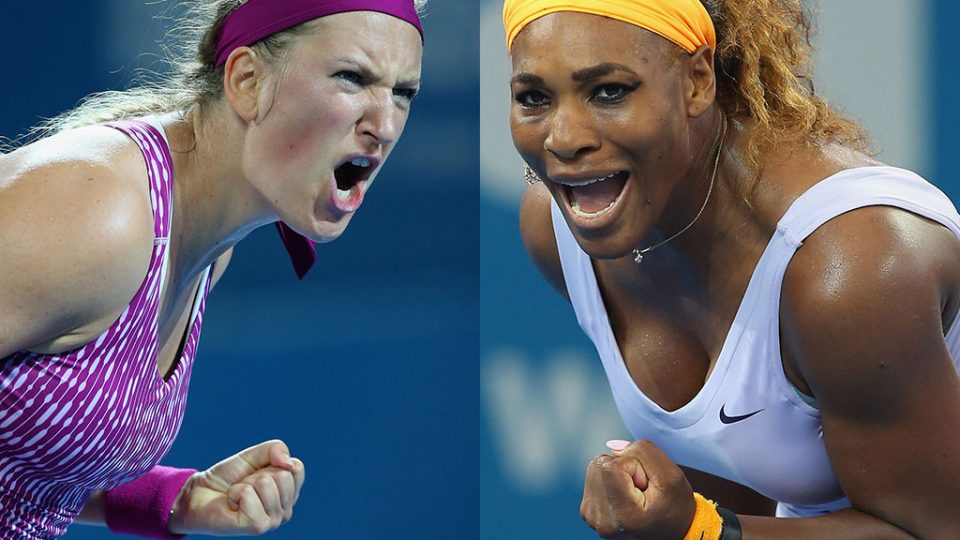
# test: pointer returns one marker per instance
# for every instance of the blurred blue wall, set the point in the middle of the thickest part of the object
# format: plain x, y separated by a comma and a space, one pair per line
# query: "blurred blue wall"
367, 368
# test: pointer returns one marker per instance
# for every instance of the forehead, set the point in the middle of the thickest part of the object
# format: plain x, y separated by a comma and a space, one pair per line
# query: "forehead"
384, 41
574, 38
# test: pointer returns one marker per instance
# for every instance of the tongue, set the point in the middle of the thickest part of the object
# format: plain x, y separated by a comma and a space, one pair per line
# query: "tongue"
598, 195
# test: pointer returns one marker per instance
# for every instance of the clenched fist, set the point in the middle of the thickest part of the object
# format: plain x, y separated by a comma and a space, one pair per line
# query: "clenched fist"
246, 494
637, 493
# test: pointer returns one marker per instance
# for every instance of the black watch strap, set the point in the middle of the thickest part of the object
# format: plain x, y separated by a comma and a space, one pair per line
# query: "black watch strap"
731, 525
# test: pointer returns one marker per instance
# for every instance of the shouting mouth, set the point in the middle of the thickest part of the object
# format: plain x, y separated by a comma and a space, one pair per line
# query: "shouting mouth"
351, 181
592, 200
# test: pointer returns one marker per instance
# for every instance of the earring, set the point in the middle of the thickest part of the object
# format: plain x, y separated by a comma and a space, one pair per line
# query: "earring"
530, 176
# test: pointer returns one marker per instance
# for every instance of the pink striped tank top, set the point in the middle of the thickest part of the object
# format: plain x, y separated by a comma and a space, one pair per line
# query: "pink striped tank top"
99, 415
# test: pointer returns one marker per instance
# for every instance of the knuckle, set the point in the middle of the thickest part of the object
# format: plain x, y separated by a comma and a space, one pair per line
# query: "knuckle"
599, 461
605, 530
645, 445
263, 482
261, 526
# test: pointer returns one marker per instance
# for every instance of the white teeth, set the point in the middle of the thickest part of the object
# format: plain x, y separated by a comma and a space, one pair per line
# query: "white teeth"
343, 195
587, 182
360, 162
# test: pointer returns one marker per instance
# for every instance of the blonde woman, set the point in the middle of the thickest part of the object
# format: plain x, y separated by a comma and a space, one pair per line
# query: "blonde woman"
114, 227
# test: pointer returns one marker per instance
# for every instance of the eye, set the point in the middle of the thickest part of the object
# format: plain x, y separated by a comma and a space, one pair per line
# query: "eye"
351, 76
613, 93
406, 94
532, 99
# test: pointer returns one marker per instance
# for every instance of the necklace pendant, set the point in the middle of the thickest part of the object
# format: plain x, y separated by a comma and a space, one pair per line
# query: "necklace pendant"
637, 256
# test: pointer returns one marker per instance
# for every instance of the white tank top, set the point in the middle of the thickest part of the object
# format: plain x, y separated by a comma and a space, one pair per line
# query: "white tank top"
779, 451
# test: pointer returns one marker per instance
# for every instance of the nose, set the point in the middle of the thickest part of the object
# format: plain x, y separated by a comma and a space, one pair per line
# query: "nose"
571, 133
382, 120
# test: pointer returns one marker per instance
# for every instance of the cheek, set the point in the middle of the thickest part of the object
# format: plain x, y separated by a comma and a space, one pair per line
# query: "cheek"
313, 126
527, 137
651, 133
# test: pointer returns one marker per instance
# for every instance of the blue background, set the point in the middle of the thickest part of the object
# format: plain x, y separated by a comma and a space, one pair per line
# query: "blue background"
367, 368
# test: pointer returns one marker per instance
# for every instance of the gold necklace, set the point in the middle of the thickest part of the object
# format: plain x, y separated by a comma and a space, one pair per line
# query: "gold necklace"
639, 253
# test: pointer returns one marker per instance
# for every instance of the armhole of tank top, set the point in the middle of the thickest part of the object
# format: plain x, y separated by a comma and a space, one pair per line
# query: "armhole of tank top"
926, 210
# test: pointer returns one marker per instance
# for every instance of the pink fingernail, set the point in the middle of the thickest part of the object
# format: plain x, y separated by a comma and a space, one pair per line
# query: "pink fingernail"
618, 445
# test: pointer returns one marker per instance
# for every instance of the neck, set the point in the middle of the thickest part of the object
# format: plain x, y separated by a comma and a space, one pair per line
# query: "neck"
728, 228
214, 207
692, 195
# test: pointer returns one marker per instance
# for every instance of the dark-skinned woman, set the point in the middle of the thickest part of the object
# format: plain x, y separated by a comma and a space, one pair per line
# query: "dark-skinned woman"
773, 308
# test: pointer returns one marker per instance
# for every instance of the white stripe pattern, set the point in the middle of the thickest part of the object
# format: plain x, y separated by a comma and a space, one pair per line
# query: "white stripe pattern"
100, 415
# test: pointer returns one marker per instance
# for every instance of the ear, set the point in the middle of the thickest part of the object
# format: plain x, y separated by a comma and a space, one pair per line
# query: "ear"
700, 85
242, 79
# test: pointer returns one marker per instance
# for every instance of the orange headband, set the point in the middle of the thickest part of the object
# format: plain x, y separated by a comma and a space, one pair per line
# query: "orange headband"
684, 22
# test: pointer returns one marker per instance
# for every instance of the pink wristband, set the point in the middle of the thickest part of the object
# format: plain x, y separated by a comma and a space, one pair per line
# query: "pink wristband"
142, 507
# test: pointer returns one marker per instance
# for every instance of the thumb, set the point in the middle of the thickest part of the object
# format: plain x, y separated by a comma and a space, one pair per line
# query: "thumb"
640, 480
248, 461
620, 482
654, 462
279, 455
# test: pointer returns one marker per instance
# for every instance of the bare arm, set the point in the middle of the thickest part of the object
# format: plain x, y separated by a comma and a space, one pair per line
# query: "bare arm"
862, 317
727, 494
93, 510
75, 241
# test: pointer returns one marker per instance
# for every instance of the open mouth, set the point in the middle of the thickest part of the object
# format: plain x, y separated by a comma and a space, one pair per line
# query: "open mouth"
354, 171
350, 177
594, 197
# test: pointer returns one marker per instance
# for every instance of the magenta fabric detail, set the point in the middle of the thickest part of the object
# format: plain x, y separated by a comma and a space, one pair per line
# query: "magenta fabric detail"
302, 250
142, 507
100, 415
258, 19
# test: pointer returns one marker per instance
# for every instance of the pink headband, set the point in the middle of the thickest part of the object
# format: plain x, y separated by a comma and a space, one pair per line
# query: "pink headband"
257, 19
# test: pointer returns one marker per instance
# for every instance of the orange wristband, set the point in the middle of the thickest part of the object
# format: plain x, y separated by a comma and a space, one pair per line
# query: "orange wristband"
707, 523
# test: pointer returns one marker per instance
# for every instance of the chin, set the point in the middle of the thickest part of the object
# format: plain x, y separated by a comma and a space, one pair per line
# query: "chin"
612, 242
325, 231
606, 248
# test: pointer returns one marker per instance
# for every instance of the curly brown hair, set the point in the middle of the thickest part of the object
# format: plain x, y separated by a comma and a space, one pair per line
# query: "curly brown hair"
764, 78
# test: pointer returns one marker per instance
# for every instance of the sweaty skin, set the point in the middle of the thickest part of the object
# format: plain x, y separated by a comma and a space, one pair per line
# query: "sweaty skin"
864, 303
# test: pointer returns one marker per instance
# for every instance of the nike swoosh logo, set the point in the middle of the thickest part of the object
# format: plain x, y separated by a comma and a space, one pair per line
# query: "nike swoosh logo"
734, 419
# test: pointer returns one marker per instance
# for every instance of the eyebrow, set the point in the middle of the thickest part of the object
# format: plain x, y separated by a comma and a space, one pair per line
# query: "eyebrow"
526, 78
367, 73
600, 70
585, 74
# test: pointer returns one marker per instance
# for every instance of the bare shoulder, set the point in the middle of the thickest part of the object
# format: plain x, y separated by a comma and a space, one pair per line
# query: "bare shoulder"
536, 229
864, 305
876, 274
76, 232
